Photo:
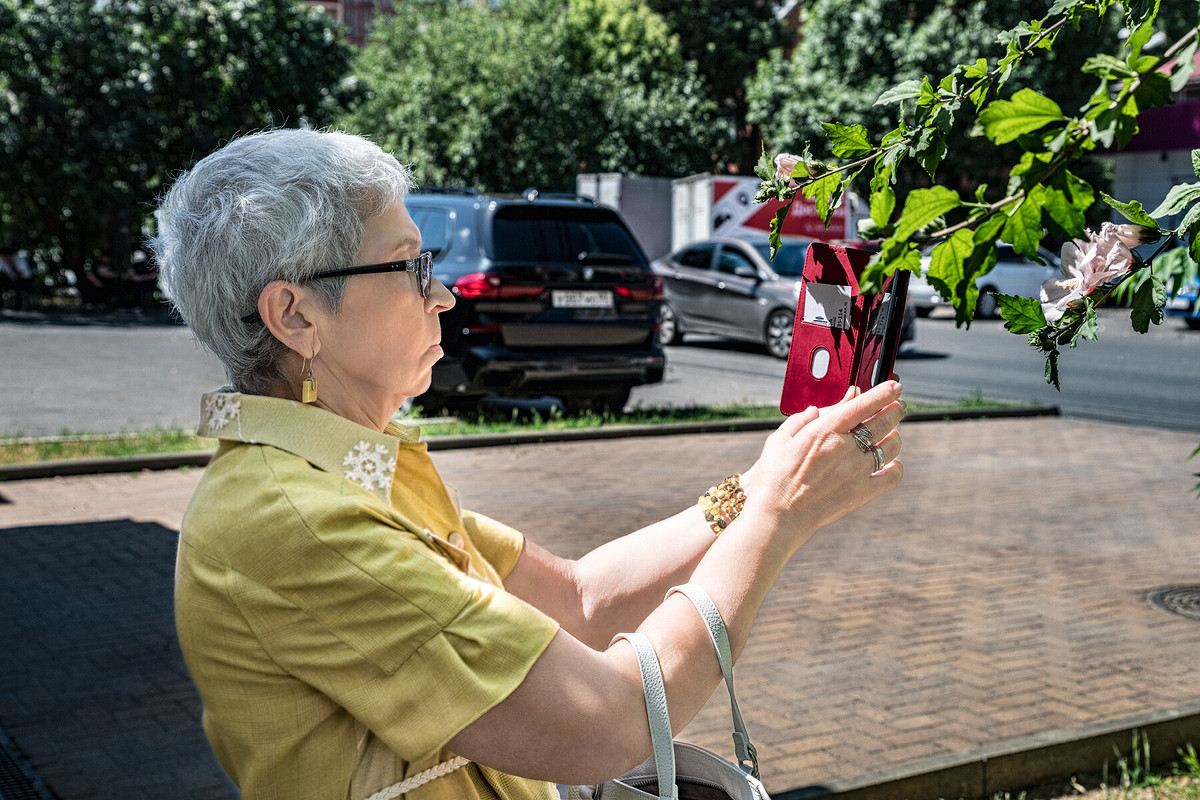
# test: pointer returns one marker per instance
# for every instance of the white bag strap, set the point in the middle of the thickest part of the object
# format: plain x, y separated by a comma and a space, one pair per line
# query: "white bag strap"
420, 779
656, 711
743, 748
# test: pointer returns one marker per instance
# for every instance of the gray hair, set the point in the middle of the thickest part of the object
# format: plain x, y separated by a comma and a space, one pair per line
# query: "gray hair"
277, 205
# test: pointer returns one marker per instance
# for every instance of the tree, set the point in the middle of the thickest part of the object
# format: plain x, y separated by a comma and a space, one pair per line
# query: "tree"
853, 50
1040, 193
727, 39
101, 102
532, 93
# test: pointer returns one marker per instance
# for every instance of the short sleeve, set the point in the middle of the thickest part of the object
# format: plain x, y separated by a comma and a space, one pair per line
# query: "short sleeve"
499, 544
388, 628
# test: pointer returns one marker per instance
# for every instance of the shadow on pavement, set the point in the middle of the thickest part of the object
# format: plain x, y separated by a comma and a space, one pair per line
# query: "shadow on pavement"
94, 693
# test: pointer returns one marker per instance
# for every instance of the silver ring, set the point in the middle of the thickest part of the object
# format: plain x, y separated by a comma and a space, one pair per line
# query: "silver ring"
877, 451
862, 435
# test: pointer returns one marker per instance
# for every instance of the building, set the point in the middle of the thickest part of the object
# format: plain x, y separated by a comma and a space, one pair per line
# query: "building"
355, 15
1159, 156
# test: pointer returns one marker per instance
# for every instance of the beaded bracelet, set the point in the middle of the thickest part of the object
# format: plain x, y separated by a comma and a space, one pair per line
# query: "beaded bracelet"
722, 503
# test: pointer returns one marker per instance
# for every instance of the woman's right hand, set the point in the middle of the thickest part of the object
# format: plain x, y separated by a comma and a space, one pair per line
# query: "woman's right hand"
812, 471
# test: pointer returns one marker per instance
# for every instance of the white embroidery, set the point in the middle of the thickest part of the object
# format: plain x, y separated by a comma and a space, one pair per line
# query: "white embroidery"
369, 469
222, 409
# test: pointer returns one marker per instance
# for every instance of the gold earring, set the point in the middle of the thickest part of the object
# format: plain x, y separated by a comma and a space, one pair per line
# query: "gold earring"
308, 387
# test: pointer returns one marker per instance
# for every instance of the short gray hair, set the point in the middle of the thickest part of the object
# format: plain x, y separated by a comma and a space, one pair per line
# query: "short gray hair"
276, 205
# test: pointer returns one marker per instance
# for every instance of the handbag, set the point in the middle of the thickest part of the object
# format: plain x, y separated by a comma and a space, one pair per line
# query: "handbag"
678, 770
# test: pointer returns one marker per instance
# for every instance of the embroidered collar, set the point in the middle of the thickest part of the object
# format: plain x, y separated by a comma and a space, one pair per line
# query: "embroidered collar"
329, 442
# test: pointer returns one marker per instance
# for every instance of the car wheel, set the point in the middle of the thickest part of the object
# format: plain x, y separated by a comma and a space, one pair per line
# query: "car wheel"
668, 326
778, 334
1192, 322
986, 306
600, 402
433, 404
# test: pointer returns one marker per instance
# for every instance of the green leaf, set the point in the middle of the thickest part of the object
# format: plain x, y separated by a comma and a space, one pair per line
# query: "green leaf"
1108, 67
1148, 303
891, 257
1052, 368
1184, 67
883, 203
1196, 162
1143, 28
924, 206
927, 96
1179, 197
1021, 314
1061, 6
907, 90
1004, 120
951, 272
976, 70
777, 225
1063, 213
1114, 126
1023, 230
930, 149
765, 168
826, 194
1131, 211
1155, 90
1090, 326
848, 142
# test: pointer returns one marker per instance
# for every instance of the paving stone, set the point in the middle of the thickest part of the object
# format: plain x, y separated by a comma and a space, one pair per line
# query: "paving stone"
998, 594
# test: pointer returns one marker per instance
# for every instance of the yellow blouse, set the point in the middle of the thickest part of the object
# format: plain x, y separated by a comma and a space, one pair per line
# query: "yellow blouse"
340, 615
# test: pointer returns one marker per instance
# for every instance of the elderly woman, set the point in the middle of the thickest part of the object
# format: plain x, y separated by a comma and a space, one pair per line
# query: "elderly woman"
348, 625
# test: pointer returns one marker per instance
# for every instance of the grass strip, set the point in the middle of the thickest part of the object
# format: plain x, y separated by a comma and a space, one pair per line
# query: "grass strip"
67, 445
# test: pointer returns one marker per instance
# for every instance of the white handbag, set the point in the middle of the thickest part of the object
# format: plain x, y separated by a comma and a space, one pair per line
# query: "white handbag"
678, 770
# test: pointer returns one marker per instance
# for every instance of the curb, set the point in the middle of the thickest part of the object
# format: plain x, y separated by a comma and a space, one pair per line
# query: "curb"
1019, 764
200, 458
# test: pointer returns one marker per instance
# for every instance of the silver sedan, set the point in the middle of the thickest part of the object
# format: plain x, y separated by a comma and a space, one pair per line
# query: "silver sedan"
732, 288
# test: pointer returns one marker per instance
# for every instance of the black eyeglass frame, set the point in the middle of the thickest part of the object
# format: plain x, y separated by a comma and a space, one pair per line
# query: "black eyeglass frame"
421, 266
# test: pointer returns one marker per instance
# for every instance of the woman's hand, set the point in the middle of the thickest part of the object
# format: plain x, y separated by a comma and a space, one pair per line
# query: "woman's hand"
812, 471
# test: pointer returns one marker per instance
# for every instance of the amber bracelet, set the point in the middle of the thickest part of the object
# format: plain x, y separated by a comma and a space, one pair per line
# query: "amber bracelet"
722, 503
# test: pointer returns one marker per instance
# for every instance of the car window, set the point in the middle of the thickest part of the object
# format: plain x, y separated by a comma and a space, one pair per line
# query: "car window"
435, 226
699, 257
732, 258
549, 235
788, 260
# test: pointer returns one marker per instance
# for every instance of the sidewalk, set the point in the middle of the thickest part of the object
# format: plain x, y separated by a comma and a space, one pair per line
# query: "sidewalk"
983, 627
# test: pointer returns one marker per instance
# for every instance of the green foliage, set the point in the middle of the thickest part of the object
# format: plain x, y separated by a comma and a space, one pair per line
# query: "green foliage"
1026, 128
884, 64
726, 39
101, 102
530, 96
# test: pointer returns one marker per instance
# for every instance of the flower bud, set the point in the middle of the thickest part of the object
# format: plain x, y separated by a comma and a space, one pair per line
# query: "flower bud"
785, 163
1133, 235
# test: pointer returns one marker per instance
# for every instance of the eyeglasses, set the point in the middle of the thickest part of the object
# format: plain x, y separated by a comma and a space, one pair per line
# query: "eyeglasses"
421, 266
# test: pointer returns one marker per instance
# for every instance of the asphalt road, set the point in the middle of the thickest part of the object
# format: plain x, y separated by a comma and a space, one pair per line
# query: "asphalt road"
120, 374
1148, 379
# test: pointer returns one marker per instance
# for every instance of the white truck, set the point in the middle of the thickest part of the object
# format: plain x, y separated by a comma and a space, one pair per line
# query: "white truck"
666, 214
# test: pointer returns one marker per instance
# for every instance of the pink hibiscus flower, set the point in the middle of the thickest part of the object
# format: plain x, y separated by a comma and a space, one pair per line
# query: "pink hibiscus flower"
1087, 264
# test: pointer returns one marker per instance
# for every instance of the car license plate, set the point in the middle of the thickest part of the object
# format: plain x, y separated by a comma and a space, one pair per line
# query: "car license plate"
581, 298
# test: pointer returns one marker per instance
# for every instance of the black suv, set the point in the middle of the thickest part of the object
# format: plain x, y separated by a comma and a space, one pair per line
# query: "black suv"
554, 296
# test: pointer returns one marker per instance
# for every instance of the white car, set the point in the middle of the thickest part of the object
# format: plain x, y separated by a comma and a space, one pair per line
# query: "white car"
1013, 274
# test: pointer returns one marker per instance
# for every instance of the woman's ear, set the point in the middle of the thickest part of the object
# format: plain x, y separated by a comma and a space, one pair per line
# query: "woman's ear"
289, 313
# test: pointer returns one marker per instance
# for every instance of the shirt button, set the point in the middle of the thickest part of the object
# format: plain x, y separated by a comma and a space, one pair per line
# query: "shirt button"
456, 539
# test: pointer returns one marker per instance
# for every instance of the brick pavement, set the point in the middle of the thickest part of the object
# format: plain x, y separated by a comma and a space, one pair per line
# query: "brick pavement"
998, 597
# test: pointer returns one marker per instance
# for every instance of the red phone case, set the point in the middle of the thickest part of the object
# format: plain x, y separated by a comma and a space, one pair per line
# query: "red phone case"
841, 337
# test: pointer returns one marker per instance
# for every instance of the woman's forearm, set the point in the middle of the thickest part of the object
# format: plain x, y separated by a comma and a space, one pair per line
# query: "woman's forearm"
613, 588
